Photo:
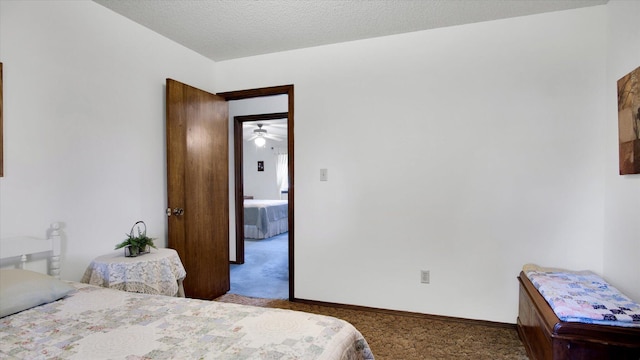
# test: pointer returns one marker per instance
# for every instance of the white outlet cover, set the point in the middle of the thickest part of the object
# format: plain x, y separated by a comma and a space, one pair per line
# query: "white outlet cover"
425, 277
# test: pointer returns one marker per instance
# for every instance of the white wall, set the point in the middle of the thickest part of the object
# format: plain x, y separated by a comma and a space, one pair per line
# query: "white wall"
622, 206
467, 151
84, 116
261, 184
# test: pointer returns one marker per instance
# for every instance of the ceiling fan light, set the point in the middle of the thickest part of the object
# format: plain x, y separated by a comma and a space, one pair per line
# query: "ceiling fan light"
260, 141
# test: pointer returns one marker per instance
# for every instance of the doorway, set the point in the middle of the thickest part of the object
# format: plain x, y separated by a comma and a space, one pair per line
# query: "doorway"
238, 242
261, 266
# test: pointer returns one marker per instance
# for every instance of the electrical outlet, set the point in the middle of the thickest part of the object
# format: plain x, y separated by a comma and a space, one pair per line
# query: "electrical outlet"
425, 276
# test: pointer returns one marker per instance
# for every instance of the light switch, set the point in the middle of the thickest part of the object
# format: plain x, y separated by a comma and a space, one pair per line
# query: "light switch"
324, 175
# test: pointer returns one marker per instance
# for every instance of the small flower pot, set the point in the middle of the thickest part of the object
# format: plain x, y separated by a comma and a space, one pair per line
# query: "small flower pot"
133, 251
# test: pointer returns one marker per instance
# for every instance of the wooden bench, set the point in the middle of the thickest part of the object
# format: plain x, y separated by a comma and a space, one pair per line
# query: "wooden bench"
546, 337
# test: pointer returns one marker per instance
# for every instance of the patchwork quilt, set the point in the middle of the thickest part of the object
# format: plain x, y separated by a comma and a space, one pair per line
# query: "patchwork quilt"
585, 297
100, 323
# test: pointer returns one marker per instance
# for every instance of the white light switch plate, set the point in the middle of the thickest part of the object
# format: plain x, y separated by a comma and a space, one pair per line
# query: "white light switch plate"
324, 175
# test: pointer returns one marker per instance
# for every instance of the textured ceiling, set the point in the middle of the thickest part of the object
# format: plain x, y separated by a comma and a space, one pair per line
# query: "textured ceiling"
229, 29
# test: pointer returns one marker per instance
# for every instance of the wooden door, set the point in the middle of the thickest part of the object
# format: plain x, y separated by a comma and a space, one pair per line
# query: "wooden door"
197, 187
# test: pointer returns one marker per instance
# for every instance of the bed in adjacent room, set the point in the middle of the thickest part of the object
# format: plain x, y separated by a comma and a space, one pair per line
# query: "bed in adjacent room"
265, 218
43, 317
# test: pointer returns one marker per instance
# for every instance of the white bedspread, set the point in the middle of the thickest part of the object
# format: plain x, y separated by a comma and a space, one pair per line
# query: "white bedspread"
100, 323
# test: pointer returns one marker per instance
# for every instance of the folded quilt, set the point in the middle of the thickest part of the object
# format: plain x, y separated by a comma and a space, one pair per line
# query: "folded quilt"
585, 297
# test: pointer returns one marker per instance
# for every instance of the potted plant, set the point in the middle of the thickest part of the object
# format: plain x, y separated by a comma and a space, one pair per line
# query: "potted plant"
139, 244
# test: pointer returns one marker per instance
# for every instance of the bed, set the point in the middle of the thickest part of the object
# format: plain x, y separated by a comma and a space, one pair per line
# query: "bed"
265, 218
70, 320
546, 336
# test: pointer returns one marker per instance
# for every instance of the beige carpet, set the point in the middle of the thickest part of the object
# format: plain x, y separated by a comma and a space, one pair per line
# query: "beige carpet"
400, 337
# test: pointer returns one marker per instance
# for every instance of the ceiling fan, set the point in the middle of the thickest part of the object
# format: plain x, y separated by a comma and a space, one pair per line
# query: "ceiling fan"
260, 135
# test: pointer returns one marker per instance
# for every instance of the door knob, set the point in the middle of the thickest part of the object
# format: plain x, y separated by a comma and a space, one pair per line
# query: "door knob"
176, 211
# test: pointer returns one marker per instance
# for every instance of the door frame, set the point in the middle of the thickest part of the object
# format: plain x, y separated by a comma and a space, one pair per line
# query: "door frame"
239, 187
238, 154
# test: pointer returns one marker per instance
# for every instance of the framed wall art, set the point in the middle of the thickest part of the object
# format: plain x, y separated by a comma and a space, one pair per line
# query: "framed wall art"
629, 122
1, 127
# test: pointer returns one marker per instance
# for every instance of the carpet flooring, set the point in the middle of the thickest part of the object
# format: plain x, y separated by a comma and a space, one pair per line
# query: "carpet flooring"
406, 337
265, 272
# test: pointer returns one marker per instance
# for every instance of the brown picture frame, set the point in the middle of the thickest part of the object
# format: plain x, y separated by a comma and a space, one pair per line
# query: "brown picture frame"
629, 122
1, 127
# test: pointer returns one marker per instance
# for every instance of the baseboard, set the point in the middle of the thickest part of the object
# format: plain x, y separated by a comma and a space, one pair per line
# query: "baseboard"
408, 314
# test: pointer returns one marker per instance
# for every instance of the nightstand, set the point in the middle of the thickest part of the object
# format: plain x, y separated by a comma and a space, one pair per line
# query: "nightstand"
159, 272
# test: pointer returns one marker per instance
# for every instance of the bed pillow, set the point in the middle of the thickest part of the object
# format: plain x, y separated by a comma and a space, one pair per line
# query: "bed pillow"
23, 289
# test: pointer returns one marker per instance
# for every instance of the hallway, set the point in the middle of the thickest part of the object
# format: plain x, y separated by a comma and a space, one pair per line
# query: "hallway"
265, 273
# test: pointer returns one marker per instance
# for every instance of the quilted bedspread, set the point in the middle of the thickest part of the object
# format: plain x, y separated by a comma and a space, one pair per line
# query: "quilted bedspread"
100, 323
585, 297
265, 218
